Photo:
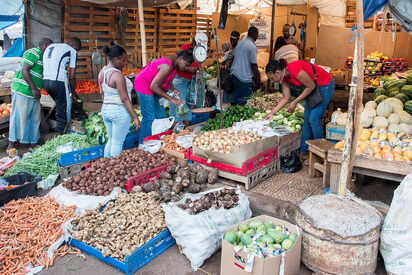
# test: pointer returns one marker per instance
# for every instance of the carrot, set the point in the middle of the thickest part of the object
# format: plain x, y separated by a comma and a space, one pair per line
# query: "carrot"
28, 228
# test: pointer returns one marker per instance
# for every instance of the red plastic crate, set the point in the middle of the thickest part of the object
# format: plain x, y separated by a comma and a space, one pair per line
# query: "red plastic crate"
145, 177
251, 165
157, 137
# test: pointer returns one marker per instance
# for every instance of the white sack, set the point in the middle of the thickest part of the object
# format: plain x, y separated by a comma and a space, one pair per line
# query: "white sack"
200, 235
330, 7
396, 236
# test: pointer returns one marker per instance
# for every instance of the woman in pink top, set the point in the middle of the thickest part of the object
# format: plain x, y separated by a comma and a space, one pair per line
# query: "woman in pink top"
153, 82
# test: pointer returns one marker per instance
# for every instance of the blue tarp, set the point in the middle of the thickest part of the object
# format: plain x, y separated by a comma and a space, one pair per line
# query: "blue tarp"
8, 20
370, 7
16, 50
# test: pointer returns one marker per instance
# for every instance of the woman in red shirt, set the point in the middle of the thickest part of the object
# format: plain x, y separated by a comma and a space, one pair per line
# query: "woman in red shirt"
182, 82
301, 75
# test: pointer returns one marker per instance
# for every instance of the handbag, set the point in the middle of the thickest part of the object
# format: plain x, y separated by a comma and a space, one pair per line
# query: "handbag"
315, 97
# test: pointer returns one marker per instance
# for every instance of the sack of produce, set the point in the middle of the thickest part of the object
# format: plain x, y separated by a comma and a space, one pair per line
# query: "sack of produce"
396, 235
198, 221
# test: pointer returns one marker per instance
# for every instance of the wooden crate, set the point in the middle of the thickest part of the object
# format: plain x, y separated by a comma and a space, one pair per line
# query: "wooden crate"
350, 19
176, 27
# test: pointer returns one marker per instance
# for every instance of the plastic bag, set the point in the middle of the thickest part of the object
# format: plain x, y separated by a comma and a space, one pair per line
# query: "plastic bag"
200, 235
185, 141
181, 110
290, 163
66, 148
151, 146
396, 235
47, 183
162, 125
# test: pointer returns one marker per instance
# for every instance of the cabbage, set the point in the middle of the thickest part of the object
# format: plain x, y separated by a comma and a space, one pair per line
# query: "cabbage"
243, 227
230, 236
267, 239
287, 244
255, 224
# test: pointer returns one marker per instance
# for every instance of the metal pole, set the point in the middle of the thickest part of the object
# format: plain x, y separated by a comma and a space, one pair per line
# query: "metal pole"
142, 32
272, 30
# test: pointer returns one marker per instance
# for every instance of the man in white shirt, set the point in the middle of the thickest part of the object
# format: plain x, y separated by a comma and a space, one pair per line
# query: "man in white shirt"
56, 81
244, 69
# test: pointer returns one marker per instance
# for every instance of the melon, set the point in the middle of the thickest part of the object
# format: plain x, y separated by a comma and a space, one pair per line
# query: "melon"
393, 92
380, 98
407, 89
408, 106
384, 109
409, 79
394, 83
380, 91
402, 97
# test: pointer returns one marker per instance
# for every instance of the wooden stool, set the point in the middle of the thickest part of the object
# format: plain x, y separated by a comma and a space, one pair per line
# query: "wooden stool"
318, 158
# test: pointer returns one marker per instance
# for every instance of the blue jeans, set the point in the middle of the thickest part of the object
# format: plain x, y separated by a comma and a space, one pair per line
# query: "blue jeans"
183, 86
312, 126
117, 121
151, 110
242, 90
24, 119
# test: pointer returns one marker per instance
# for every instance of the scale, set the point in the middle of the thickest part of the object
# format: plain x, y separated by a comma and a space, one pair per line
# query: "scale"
197, 98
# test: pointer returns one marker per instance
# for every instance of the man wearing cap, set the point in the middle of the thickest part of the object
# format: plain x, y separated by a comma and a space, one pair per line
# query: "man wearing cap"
228, 57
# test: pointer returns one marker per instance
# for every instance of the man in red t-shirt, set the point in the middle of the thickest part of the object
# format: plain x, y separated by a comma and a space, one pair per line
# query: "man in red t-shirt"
182, 82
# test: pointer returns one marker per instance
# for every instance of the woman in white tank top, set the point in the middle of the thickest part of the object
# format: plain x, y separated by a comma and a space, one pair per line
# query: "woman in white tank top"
117, 109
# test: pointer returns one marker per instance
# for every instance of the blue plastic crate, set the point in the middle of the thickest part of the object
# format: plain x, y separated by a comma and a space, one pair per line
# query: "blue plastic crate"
138, 258
82, 155
199, 118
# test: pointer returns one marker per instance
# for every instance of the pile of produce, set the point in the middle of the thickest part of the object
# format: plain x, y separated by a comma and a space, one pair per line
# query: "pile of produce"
106, 173
179, 179
387, 114
95, 129
381, 144
226, 198
28, 228
131, 71
223, 141
292, 121
170, 141
397, 86
122, 226
5, 109
44, 160
87, 87
230, 116
261, 239
264, 102
212, 71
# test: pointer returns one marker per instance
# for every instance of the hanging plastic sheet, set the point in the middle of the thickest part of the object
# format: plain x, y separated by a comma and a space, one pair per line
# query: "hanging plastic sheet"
370, 7
402, 11
16, 49
8, 20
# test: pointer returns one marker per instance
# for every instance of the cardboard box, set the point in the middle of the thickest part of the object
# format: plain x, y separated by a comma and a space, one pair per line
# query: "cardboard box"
335, 132
240, 153
232, 264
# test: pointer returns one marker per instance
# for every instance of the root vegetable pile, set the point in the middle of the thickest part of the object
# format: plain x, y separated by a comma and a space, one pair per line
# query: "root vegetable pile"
123, 226
179, 179
170, 141
223, 141
106, 173
28, 228
264, 102
226, 198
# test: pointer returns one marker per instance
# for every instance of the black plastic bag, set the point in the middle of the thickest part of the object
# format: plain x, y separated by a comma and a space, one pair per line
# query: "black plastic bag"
290, 163
28, 189
223, 14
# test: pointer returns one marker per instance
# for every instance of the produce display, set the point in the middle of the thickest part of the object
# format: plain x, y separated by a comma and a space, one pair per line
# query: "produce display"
211, 71
5, 109
262, 239
264, 102
122, 226
383, 144
106, 173
292, 121
43, 161
131, 71
226, 198
87, 87
177, 180
223, 141
95, 129
28, 228
170, 141
230, 116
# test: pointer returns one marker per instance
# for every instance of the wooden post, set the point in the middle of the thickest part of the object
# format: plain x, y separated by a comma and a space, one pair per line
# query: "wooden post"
272, 30
355, 105
217, 5
27, 22
142, 32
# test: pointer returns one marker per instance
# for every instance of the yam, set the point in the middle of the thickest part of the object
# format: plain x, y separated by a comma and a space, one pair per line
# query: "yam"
194, 188
213, 176
202, 176
177, 188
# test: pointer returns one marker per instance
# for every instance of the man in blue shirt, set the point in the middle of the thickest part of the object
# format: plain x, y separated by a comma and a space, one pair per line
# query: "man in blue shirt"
244, 69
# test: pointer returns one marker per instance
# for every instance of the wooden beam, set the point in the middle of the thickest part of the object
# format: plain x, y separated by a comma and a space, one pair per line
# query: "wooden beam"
355, 105
272, 30
142, 32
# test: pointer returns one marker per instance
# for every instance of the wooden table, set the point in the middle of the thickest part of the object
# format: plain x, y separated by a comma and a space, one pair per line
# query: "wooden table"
384, 169
318, 158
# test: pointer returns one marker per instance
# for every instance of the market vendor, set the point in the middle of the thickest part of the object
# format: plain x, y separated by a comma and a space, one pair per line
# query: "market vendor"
153, 82
59, 83
25, 89
283, 50
117, 109
301, 75
288, 38
228, 55
244, 69
183, 82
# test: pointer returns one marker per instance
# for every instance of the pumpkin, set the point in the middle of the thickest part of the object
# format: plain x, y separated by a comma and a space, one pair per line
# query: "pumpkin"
407, 128
371, 105
395, 103
366, 117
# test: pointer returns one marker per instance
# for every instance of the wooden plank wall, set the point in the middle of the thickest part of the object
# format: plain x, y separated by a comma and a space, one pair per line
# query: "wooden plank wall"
166, 31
